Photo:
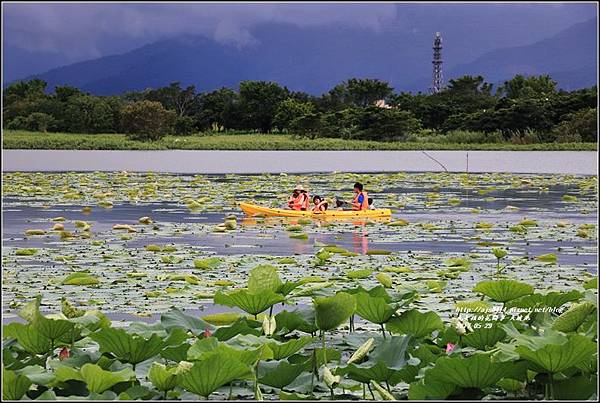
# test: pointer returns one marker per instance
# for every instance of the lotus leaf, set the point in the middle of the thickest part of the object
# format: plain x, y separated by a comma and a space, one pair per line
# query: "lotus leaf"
80, 278
247, 301
206, 376
127, 347
284, 350
279, 374
162, 378
415, 323
476, 371
14, 386
264, 278
208, 263
554, 358
99, 380
548, 258
373, 309
570, 320
330, 312
503, 290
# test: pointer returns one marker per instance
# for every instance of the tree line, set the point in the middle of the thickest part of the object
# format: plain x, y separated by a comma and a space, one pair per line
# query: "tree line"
523, 109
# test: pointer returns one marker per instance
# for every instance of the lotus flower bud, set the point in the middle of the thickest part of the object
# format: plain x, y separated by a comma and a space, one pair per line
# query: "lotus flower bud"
64, 354
362, 351
458, 325
330, 380
269, 325
450, 347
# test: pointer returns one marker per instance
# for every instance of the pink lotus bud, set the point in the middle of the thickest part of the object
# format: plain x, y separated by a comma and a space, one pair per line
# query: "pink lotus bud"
450, 348
207, 333
64, 354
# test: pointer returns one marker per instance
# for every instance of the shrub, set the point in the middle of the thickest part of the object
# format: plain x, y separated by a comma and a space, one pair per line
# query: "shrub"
146, 120
307, 125
184, 125
579, 126
38, 121
18, 123
524, 137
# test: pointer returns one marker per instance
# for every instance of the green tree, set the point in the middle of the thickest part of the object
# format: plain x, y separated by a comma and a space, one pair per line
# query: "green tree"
528, 87
258, 102
289, 110
88, 114
356, 93
146, 120
308, 125
21, 97
385, 124
173, 97
184, 125
221, 107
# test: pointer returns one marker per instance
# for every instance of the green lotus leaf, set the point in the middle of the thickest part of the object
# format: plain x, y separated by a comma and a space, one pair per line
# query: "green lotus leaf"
459, 262
284, 350
426, 389
323, 255
359, 274
26, 252
283, 395
14, 386
554, 299
221, 319
582, 387
176, 353
287, 287
384, 279
415, 323
548, 258
553, 358
299, 319
373, 309
38, 375
127, 347
208, 263
53, 329
301, 236
206, 376
162, 378
99, 380
201, 347
503, 290
279, 374
385, 361
247, 301
570, 320
264, 278
484, 338
175, 318
80, 278
435, 285
591, 284
499, 253
28, 337
330, 312
476, 371
241, 326
373, 252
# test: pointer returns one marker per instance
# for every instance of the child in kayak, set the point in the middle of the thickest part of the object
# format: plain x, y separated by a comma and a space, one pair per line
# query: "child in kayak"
320, 204
361, 200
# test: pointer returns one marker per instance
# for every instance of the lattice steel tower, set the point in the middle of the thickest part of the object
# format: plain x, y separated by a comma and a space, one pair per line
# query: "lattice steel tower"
436, 82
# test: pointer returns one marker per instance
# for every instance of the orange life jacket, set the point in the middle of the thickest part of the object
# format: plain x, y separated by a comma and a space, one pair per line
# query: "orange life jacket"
365, 203
299, 203
321, 206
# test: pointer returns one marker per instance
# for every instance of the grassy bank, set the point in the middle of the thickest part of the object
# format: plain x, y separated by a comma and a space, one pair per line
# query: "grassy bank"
68, 141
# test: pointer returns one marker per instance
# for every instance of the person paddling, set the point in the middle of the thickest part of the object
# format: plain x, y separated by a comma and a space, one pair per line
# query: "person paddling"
361, 199
299, 199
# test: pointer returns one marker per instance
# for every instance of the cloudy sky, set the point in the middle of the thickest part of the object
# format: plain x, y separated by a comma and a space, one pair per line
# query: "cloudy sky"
83, 31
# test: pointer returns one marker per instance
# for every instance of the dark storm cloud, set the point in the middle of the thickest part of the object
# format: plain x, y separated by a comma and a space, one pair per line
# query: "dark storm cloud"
90, 30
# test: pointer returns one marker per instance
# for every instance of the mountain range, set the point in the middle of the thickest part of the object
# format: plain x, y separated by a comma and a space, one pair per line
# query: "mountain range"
300, 59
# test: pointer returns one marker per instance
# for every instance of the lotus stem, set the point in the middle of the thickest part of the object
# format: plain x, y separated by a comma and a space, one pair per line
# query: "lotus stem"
551, 387
387, 386
382, 330
371, 390
364, 391
271, 311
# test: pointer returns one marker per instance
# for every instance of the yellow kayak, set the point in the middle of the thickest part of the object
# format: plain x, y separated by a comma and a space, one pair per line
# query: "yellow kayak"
253, 209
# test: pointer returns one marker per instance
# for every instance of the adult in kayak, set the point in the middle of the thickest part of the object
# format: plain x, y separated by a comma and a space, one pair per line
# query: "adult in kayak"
361, 199
299, 199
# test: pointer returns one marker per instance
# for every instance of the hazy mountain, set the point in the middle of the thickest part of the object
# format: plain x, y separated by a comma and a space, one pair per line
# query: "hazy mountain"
315, 59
